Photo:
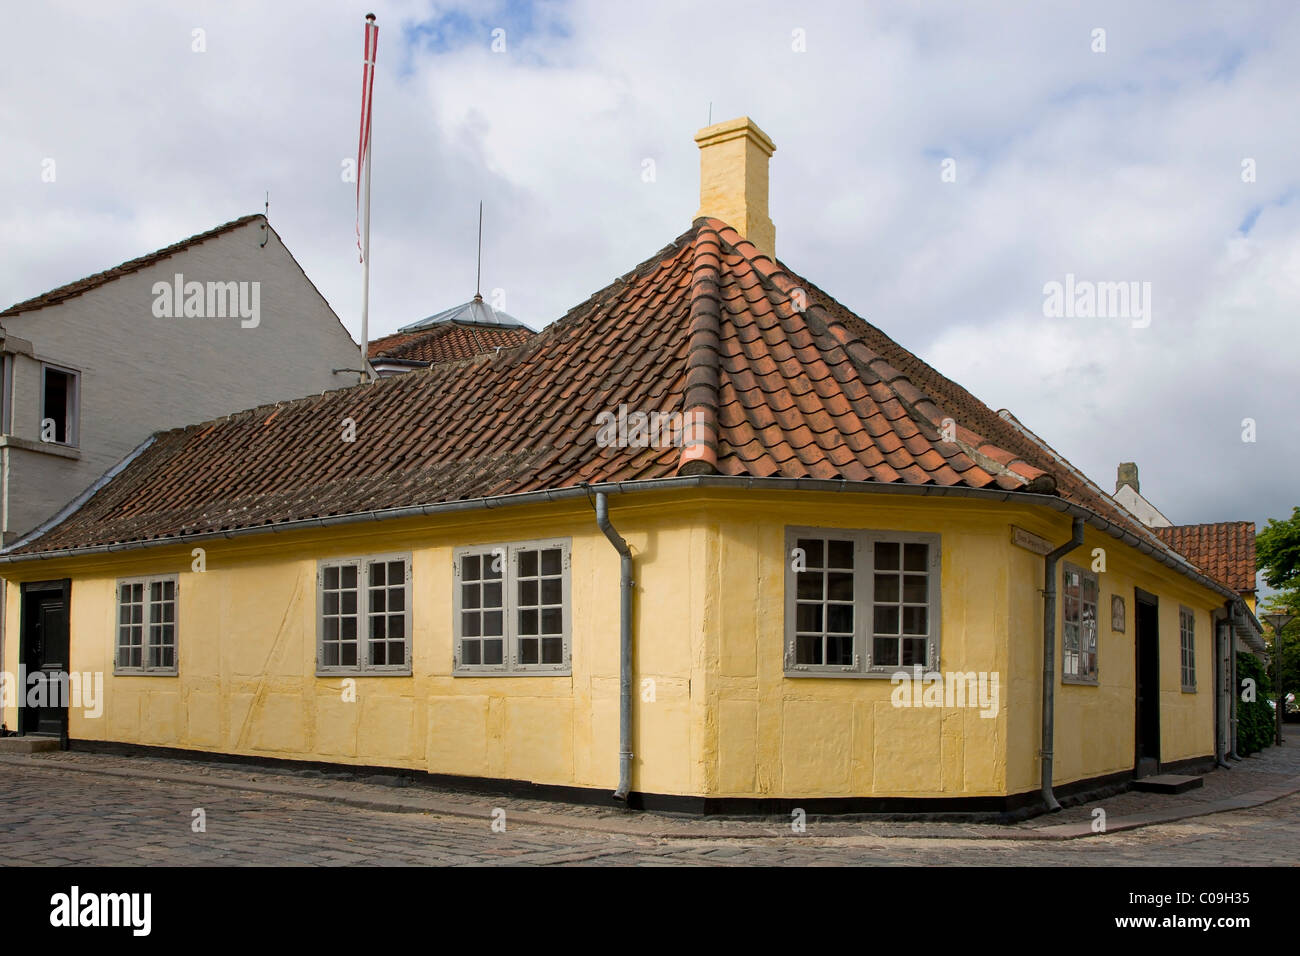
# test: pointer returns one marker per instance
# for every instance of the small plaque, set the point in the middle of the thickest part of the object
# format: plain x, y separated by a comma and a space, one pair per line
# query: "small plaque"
1030, 541
1117, 613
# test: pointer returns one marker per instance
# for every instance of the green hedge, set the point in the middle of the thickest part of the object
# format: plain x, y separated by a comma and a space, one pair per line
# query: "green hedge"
1255, 719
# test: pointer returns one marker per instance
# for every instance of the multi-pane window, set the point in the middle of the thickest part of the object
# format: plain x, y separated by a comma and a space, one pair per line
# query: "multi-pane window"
364, 615
861, 602
901, 603
1078, 625
511, 610
482, 609
824, 600
1187, 647
146, 625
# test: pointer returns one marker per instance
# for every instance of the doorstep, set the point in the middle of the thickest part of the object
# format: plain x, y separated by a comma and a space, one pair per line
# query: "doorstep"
28, 745
1168, 783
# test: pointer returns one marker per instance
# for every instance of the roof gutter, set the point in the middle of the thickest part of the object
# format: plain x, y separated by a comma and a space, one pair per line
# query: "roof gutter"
635, 487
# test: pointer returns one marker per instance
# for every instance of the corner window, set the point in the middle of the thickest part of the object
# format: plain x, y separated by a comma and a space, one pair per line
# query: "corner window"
364, 615
59, 399
512, 612
146, 626
1078, 625
1187, 648
860, 603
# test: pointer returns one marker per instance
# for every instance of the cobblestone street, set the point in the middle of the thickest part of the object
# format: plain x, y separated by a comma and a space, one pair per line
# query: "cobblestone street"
71, 809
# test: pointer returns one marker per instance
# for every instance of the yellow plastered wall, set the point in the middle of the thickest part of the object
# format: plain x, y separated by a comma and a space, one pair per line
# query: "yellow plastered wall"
1094, 725
785, 737
776, 736
246, 639
713, 713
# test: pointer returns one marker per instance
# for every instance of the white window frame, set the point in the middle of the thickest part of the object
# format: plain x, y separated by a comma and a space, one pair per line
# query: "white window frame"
864, 573
364, 612
1075, 677
74, 405
146, 624
1187, 649
510, 665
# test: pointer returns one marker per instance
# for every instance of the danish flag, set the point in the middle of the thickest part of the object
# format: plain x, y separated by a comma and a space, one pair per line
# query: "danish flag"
367, 101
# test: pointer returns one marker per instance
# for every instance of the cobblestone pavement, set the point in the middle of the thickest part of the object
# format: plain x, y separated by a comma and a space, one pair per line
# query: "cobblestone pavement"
62, 815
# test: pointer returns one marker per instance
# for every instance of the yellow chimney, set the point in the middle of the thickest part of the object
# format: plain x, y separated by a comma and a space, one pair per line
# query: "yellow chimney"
733, 179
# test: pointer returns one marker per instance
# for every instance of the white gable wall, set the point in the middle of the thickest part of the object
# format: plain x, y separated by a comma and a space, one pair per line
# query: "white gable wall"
1140, 508
140, 374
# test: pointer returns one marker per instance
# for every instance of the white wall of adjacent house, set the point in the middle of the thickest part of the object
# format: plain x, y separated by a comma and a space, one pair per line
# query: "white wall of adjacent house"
1140, 508
136, 372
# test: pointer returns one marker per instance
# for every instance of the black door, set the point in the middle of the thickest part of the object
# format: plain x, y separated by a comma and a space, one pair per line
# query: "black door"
1146, 621
43, 698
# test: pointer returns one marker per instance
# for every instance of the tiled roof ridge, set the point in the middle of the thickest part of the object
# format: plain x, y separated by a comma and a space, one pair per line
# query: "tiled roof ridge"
871, 364
598, 298
700, 400
78, 287
1007, 432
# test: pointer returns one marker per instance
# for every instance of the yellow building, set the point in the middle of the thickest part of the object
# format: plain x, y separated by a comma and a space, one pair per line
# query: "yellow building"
709, 541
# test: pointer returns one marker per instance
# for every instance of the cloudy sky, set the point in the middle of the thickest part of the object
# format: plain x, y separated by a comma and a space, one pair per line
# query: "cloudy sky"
1169, 157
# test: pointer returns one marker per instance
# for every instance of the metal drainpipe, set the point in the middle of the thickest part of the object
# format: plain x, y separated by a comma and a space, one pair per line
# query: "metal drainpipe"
4, 536
1049, 658
1223, 685
1234, 687
625, 647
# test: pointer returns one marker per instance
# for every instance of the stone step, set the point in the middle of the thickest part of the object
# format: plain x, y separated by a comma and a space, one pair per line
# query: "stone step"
1168, 783
27, 745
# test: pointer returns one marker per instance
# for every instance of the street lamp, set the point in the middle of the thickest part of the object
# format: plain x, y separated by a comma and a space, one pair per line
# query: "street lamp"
1278, 622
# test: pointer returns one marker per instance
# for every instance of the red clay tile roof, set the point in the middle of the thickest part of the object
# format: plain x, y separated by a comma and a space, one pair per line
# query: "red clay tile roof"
55, 296
447, 343
708, 325
1225, 550
1002, 428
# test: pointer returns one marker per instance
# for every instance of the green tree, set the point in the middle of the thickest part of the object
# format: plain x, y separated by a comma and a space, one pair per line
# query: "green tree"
1254, 717
1277, 554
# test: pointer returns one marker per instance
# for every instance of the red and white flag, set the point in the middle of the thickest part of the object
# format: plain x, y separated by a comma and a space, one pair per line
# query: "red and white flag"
367, 100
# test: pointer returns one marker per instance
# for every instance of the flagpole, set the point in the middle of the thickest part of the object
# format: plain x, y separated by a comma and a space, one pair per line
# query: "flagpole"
365, 247
365, 281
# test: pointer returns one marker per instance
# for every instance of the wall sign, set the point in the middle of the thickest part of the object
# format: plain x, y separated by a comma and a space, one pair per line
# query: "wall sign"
1117, 613
1030, 541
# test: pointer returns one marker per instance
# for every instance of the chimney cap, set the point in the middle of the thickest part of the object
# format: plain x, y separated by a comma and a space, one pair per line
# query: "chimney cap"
734, 129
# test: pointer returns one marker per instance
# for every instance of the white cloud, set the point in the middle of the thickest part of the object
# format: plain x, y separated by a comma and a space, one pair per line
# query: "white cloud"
1116, 166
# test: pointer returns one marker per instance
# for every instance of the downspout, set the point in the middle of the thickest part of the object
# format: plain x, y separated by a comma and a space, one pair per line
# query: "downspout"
1049, 658
625, 647
1234, 686
1222, 637
6, 427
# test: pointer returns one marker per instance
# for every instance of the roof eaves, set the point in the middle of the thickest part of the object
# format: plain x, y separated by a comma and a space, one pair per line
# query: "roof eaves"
649, 485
